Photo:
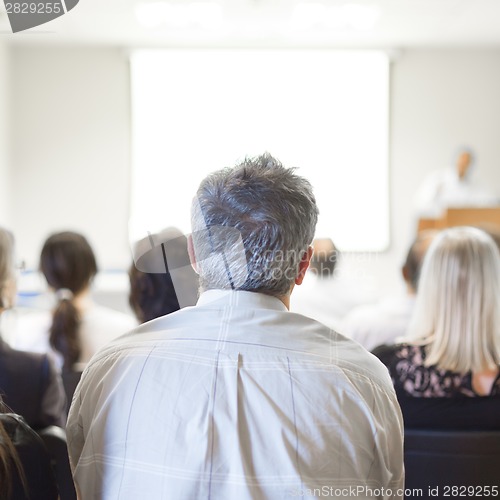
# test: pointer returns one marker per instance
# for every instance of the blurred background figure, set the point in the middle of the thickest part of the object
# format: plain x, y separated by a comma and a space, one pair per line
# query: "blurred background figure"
453, 345
29, 382
452, 187
77, 327
493, 230
326, 294
161, 276
388, 319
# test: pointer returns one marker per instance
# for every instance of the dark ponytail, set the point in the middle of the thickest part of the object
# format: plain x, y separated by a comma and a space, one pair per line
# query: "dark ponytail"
68, 264
64, 332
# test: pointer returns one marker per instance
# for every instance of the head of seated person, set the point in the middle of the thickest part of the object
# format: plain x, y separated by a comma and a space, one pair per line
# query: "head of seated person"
162, 279
69, 265
414, 259
453, 340
252, 228
325, 258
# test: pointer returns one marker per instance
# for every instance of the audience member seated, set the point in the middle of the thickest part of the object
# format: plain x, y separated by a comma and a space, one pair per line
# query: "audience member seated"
162, 279
329, 292
77, 327
25, 470
29, 382
238, 398
385, 321
453, 346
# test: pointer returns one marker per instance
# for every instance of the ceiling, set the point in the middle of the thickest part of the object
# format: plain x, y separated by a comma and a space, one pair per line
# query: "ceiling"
280, 23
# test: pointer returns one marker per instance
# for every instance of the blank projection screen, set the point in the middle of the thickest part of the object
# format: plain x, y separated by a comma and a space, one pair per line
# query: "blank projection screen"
324, 112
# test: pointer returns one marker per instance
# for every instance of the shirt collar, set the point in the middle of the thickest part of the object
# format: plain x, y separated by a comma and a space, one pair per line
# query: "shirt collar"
240, 298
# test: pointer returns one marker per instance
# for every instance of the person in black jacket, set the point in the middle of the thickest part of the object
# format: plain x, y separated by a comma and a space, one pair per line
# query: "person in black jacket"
29, 383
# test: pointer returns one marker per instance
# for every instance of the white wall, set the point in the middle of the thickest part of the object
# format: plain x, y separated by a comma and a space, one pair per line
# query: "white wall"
440, 99
71, 148
71, 151
4, 137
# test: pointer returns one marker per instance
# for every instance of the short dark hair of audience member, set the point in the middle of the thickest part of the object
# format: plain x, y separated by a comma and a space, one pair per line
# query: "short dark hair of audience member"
152, 291
414, 258
68, 263
325, 258
457, 313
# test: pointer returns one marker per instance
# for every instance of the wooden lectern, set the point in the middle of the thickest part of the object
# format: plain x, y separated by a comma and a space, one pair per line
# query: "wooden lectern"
476, 216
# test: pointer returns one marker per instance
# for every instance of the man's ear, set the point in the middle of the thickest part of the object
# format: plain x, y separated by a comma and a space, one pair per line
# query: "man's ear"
303, 265
192, 255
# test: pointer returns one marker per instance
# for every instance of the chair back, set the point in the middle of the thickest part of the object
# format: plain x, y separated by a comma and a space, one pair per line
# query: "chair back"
70, 381
54, 439
35, 461
444, 459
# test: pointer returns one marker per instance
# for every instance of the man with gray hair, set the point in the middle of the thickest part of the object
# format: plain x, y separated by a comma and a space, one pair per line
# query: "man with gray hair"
236, 397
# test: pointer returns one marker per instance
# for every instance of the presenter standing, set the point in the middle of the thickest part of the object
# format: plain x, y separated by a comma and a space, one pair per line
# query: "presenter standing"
452, 187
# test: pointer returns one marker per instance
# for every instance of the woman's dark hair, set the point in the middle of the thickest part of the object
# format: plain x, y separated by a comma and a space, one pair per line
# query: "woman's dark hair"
151, 295
68, 264
152, 291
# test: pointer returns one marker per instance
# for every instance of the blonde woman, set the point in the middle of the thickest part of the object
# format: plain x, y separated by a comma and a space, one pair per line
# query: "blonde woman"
453, 345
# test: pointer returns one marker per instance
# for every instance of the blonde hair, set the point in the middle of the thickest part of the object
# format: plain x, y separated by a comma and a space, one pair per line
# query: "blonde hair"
457, 312
6, 265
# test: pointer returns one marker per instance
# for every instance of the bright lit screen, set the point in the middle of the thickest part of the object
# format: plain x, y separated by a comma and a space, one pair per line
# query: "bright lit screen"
323, 111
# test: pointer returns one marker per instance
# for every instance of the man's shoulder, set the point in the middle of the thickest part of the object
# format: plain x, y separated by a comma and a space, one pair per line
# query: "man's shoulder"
283, 334
349, 356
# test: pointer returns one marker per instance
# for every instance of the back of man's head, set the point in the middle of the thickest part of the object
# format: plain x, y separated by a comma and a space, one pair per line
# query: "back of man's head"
325, 258
415, 257
252, 225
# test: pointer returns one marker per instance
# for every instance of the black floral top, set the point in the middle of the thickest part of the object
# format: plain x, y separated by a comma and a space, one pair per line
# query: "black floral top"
409, 375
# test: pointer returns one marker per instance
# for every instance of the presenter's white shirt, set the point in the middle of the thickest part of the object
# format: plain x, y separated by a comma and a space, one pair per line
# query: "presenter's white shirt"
443, 189
233, 399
